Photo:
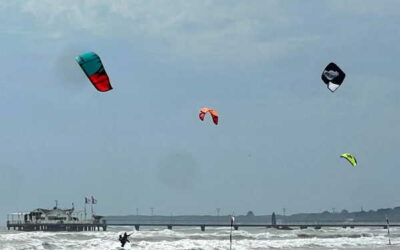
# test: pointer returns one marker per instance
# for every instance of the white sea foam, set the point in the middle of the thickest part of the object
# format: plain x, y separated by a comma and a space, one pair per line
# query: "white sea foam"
212, 239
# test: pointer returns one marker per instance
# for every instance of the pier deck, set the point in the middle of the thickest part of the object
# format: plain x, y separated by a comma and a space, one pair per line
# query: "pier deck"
288, 226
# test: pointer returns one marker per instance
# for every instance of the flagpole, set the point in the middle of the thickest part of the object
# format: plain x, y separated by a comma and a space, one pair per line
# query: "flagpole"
93, 201
388, 230
230, 236
85, 208
92, 209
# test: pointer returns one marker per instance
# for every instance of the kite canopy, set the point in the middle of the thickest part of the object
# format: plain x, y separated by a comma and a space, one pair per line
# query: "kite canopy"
333, 76
351, 159
91, 64
213, 113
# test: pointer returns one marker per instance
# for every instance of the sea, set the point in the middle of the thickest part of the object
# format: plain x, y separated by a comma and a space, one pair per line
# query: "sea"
192, 238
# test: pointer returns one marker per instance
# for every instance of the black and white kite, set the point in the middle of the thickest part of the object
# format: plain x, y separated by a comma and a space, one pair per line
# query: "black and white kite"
333, 76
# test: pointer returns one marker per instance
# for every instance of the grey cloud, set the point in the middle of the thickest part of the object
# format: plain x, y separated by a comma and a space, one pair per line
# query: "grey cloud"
179, 171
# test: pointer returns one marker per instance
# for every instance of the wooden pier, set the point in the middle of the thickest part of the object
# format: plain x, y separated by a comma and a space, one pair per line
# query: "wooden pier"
77, 227
240, 225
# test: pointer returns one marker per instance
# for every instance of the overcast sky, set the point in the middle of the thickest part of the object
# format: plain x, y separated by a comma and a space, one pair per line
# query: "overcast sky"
142, 144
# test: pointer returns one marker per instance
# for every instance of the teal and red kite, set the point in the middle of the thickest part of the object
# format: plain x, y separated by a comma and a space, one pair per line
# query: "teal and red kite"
91, 64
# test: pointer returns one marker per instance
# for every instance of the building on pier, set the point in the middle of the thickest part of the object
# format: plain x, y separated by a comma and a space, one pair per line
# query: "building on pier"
55, 219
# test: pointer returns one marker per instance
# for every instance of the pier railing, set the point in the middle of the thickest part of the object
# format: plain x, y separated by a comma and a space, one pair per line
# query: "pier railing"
16, 222
57, 226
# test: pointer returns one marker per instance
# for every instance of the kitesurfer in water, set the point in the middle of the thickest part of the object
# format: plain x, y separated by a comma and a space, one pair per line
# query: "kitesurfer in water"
124, 239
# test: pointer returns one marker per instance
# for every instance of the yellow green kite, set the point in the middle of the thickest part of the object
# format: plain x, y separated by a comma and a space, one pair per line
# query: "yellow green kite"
350, 159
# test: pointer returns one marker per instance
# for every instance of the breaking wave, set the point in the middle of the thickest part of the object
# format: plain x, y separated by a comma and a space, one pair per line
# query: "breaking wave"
192, 238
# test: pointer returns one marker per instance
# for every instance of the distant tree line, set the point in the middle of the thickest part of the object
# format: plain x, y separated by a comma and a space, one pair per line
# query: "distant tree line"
344, 216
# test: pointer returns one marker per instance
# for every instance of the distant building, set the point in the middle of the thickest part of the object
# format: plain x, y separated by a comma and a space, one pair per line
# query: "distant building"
273, 219
250, 213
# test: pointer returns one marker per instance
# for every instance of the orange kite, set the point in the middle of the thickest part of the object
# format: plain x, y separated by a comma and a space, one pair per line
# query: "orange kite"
213, 113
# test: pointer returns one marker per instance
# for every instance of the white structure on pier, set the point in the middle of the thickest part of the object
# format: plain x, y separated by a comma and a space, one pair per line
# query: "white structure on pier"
41, 215
55, 219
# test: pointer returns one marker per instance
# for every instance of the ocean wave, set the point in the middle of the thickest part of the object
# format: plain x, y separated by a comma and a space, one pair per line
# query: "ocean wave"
194, 239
